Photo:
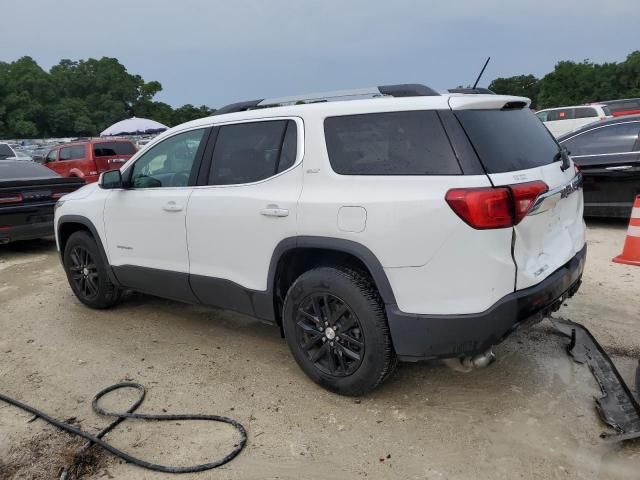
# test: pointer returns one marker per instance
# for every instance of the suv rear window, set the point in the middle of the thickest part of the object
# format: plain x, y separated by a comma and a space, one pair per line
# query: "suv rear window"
394, 143
508, 140
112, 149
585, 112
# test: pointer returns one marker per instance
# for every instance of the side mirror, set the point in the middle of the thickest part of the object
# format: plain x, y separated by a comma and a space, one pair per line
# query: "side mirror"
111, 179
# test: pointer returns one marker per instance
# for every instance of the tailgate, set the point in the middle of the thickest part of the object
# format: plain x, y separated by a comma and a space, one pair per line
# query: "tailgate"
553, 231
515, 148
112, 155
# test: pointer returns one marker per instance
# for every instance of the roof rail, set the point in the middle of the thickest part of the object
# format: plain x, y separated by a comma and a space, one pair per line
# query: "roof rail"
401, 90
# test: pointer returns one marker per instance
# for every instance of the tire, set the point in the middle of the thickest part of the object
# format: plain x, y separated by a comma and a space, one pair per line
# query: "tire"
353, 354
87, 272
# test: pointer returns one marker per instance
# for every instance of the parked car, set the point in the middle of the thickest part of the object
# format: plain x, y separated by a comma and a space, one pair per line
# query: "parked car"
407, 226
28, 193
87, 159
6, 152
566, 119
608, 154
625, 106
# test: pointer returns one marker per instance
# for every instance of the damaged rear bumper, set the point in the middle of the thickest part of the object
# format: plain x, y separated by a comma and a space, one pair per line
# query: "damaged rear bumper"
421, 337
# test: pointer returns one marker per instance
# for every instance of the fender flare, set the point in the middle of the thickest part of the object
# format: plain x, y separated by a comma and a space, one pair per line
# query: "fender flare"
84, 221
358, 250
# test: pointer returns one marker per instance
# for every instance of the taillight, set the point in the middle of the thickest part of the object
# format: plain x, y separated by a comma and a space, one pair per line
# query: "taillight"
524, 196
10, 198
494, 207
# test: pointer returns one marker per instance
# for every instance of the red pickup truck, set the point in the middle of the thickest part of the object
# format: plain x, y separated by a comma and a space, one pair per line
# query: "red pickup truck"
89, 158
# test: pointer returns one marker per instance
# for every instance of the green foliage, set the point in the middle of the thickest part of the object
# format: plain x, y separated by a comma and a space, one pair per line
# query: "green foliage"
521, 85
576, 83
78, 98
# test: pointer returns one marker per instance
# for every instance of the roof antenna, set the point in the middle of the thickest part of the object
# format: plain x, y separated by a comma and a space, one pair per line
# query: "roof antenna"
481, 72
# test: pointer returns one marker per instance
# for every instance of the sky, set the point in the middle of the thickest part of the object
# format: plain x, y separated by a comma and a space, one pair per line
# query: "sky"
215, 52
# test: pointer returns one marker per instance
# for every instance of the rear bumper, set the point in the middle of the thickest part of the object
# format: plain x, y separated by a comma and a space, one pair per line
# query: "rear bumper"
26, 232
421, 337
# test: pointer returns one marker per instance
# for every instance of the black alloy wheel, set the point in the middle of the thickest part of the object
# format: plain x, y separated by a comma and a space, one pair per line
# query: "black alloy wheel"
330, 333
84, 272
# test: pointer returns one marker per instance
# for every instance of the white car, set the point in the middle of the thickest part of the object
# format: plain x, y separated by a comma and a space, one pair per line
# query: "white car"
567, 119
370, 225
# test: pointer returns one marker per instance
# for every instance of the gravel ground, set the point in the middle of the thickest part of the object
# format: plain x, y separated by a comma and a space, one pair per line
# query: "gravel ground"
529, 415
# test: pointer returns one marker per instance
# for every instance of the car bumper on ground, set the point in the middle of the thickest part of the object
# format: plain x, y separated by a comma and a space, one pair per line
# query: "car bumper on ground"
421, 337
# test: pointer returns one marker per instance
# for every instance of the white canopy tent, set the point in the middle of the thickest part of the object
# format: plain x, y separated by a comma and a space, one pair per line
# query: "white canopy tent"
134, 126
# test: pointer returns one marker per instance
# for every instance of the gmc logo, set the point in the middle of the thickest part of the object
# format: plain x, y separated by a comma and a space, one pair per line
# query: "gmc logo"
576, 184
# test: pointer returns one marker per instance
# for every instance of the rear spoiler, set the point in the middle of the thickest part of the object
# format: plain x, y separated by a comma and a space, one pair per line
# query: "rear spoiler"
487, 102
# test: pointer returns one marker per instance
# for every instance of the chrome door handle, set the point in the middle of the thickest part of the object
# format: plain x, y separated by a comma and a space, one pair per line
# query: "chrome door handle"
274, 211
171, 206
621, 167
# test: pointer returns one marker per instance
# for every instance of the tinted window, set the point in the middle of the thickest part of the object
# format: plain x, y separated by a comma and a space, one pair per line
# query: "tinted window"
112, 149
5, 151
508, 140
610, 139
289, 147
585, 112
542, 116
565, 114
622, 105
72, 153
248, 152
395, 143
169, 163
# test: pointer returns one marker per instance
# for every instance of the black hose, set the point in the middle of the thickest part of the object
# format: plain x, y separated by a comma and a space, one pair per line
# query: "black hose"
121, 416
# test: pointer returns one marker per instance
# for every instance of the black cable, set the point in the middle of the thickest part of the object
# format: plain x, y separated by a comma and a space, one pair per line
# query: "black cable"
121, 416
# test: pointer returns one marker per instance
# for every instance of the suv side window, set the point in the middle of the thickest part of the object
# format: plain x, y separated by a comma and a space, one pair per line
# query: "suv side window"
249, 152
72, 153
169, 163
585, 112
619, 138
393, 143
562, 114
51, 156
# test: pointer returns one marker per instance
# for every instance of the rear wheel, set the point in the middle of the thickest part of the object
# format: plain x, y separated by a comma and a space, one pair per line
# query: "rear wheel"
87, 272
336, 328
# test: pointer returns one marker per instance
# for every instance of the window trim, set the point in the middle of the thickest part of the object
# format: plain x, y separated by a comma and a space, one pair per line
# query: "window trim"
127, 169
207, 162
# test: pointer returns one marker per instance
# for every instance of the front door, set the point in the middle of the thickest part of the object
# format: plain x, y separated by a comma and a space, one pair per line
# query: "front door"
145, 222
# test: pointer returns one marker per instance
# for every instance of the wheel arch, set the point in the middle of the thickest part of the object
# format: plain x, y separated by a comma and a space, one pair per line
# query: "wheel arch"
293, 256
70, 224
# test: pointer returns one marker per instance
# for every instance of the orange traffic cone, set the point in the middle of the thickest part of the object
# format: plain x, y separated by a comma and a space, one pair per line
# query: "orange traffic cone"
631, 251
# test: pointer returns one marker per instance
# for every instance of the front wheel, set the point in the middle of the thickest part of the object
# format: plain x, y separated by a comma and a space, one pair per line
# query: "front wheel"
87, 272
335, 325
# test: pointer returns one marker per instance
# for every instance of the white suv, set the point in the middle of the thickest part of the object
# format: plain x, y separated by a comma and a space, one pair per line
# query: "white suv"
567, 119
369, 225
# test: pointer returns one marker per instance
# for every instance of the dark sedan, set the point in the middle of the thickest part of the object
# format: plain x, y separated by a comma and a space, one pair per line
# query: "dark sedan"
28, 193
608, 153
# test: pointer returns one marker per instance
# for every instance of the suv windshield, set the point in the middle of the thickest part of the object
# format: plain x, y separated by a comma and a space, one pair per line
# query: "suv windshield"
508, 140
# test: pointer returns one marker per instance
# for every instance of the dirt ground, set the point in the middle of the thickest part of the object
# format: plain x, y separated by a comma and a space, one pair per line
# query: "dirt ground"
529, 415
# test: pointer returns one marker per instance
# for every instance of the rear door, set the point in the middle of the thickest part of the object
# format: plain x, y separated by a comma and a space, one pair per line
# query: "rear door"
515, 148
246, 204
112, 155
609, 157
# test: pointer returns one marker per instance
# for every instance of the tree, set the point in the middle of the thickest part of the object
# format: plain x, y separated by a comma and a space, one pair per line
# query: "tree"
520, 85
